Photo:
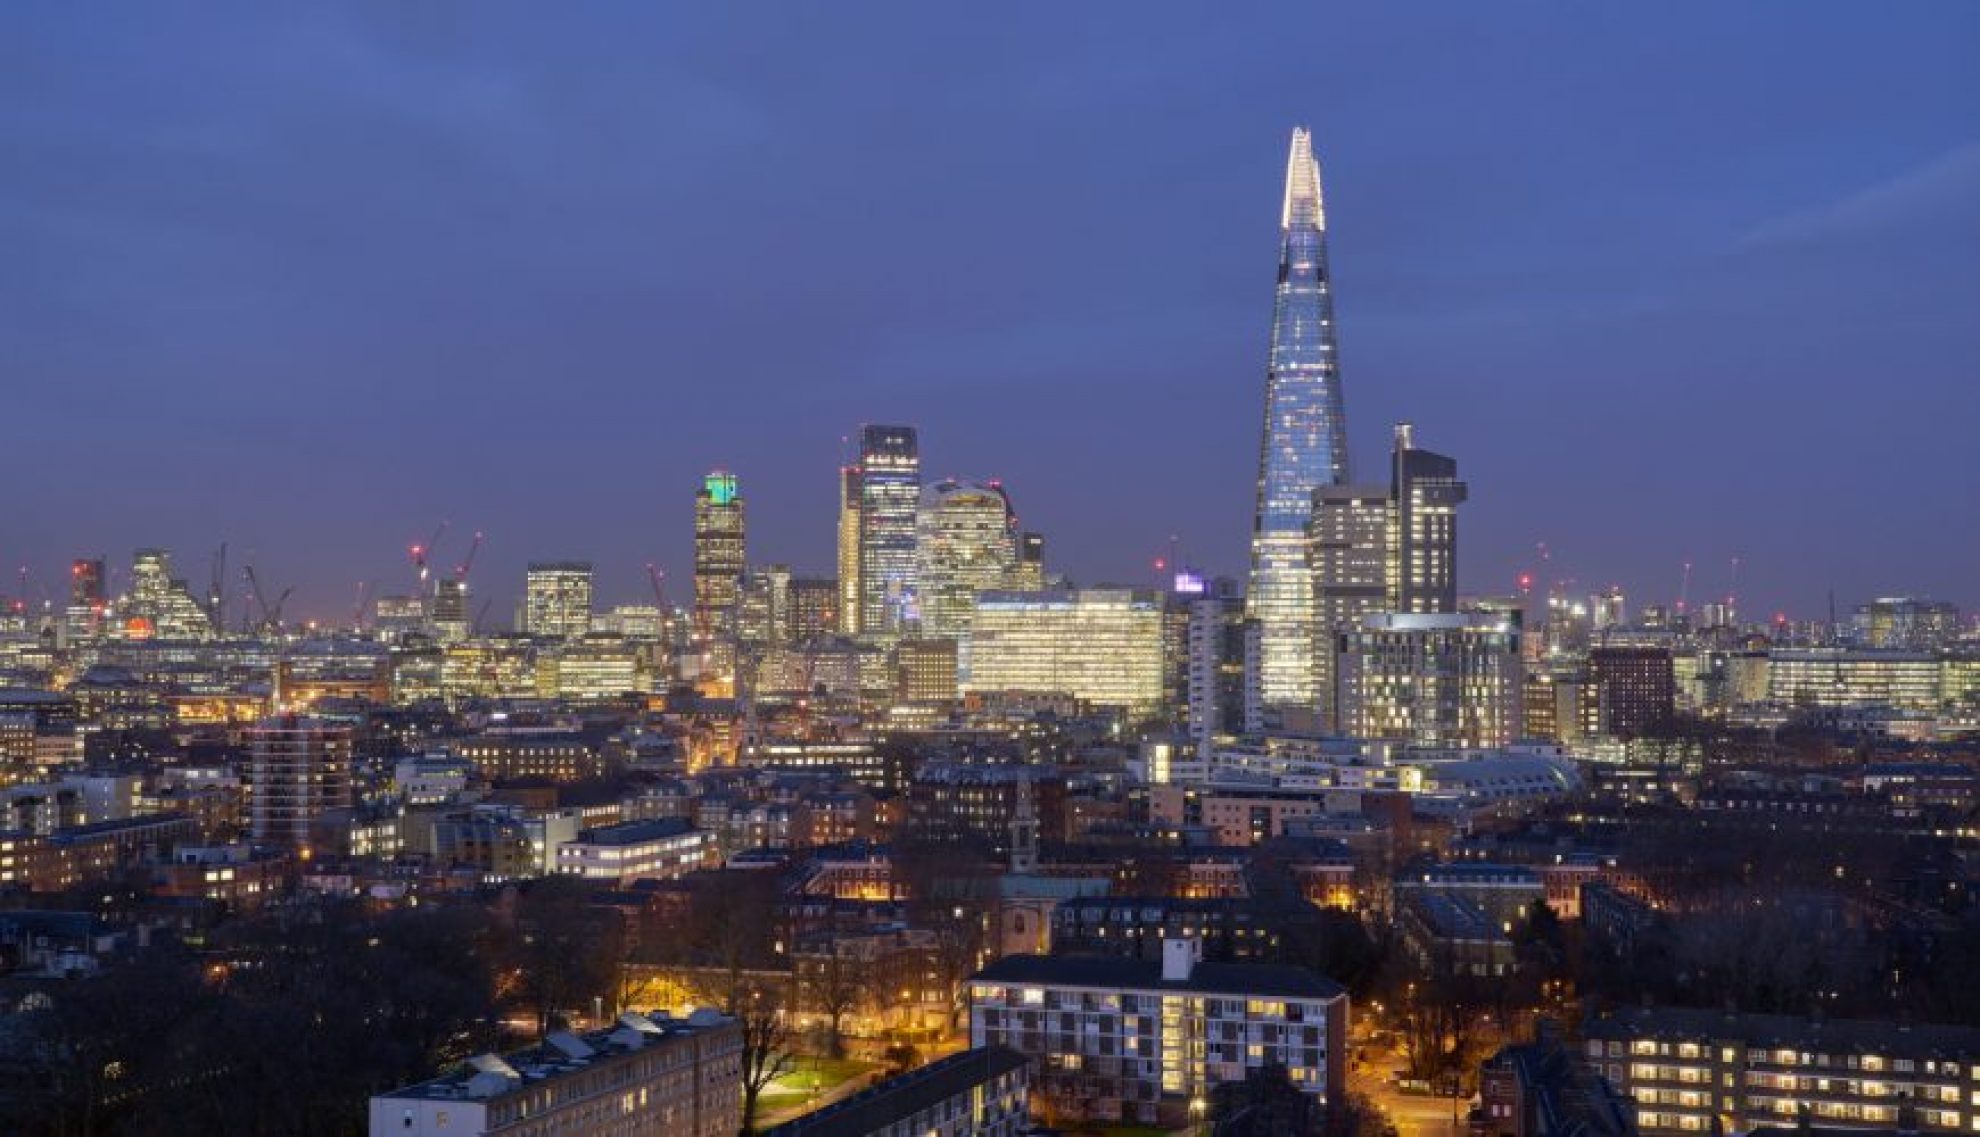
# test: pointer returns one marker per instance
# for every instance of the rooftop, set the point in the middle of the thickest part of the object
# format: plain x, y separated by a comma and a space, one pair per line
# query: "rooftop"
636, 832
897, 1099
1138, 975
1845, 1036
560, 1052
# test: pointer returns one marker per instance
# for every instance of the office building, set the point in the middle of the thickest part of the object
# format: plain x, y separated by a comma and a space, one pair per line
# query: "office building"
1710, 1071
660, 849
1431, 679
879, 502
299, 768
976, 1093
1843, 677
1635, 689
557, 600
1030, 572
763, 611
646, 1074
814, 608
1904, 623
535, 754
1304, 442
927, 671
720, 558
967, 544
848, 581
83, 618
1102, 645
161, 606
1123, 1040
451, 618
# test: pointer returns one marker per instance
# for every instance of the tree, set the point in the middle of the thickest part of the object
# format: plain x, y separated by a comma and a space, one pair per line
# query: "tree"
838, 986
952, 892
766, 1045
731, 928
1265, 1104
566, 950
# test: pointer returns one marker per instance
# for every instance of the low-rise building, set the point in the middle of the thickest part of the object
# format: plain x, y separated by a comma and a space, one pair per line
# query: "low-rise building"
981, 1092
661, 849
1537, 1089
649, 1074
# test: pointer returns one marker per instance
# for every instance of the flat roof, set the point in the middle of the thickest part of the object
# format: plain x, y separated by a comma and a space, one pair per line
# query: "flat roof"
1144, 975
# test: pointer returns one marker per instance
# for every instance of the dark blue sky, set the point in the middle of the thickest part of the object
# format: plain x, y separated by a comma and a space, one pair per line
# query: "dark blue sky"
1671, 282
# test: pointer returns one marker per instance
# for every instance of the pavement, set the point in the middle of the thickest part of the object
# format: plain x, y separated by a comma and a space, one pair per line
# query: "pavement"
1413, 1115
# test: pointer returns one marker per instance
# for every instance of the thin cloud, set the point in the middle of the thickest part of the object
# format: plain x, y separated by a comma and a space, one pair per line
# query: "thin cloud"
1946, 187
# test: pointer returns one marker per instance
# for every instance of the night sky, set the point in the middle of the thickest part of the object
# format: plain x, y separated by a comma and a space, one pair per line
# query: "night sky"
1671, 282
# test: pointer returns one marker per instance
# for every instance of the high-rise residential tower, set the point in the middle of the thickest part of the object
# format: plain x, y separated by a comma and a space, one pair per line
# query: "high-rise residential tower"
299, 767
1304, 443
1423, 532
557, 599
1350, 572
884, 494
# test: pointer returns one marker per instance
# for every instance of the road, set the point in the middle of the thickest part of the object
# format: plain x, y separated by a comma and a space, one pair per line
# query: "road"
1414, 1115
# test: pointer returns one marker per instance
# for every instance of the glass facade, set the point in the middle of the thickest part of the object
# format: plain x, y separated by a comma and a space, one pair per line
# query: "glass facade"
557, 599
889, 499
968, 545
1098, 644
1304, 443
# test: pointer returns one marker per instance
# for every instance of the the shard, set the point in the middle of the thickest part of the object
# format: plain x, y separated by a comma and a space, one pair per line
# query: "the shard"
1304, 446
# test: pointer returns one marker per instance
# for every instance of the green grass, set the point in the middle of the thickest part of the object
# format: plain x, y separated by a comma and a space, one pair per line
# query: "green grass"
820, 1075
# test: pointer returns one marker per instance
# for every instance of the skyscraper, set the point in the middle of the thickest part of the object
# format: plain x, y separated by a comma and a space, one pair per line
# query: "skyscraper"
557, 599
967, 544
1423, 532
1304, 443
886, 487
83, 618
160, 604
720, 556
848, 604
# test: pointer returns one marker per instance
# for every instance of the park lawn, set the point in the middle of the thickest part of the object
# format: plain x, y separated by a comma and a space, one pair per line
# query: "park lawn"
819, 1074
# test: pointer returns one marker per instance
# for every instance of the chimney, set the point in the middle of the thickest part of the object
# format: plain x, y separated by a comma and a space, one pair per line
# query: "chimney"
1179, 957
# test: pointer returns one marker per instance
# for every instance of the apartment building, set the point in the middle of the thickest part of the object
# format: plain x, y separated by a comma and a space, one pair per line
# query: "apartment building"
1697, 1071
1125, 1040
977, 1093
646, 1076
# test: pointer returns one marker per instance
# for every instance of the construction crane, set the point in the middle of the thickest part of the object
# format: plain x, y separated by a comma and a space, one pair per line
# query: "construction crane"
467, 563
271, 614
481, 614
660, 597
216, 590
420, 553
1684, 588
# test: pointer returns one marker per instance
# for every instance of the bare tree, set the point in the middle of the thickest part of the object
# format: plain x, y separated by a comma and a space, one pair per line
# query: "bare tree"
766, 1053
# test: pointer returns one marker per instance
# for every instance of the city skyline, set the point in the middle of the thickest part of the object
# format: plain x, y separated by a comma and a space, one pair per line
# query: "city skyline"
333, 395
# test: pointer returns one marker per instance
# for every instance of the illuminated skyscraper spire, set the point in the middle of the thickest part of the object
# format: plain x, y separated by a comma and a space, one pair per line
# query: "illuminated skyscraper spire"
1304, 445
